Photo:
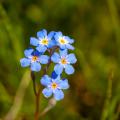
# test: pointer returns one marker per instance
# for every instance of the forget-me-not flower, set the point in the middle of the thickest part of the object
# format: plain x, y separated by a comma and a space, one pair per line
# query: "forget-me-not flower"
63, 61
43, 40
33, 58
54, 86
63, 41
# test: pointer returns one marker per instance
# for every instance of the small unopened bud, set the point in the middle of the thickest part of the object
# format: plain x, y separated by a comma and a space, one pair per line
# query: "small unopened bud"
52, 102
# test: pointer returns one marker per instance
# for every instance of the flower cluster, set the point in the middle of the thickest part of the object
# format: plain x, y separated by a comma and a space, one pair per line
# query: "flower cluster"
56, 45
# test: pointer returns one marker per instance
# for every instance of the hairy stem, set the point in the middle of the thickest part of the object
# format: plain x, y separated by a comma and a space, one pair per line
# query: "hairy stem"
37, 105
34, 84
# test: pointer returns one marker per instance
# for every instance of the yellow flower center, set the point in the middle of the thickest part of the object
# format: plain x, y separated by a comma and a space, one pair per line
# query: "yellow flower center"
44, 41
63, 61
34, 58
62, 41
54, 85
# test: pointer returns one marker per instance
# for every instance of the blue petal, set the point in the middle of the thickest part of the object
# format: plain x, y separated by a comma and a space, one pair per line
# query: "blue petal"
47, 92
41, 48
57, 80
44, 59
55, 58
62, 46
34, 41
46, 80
69, 39
71, 58
54, 75
25, 62
35, 66
63, 53
51, 43
69, 69
42, 33
36, 53
64, 84
57, 35
51, 34
70, 47
58, 68
28, 52
58, 94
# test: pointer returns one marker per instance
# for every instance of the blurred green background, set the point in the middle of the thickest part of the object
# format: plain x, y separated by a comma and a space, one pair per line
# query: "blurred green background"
95, 87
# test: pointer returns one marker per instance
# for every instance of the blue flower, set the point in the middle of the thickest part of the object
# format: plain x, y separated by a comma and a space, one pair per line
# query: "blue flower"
54, 86
63, 41
63, 61
43, 41
33, 59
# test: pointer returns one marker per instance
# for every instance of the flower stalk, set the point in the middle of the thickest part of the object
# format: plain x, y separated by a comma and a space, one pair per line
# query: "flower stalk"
57, 46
